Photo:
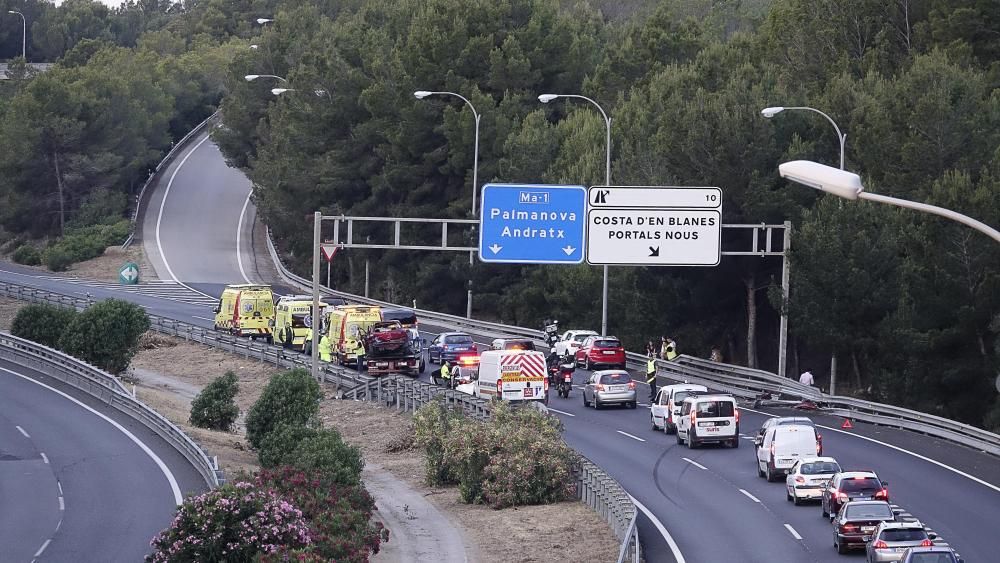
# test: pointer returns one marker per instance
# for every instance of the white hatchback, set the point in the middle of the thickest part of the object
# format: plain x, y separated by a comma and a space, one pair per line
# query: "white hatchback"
707, 419
807, 478
666, 408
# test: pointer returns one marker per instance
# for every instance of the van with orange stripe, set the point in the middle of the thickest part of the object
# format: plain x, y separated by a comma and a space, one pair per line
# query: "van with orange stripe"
512, 375
246, 310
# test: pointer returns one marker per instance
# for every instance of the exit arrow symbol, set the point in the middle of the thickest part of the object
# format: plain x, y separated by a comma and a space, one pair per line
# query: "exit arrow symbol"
654, 251
569, 250
495, 248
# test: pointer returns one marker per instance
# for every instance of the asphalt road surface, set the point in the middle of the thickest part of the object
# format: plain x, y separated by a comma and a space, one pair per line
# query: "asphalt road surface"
73, 485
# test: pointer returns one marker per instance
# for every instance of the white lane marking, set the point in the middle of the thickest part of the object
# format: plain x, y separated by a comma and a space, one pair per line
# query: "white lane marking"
239, 228
45, 458
694, 463
21, 430
630, 435
561, 412
792, 531
676, 551
899, 449
59, 484
202, 318
174, 487
44, 545
751, 497
62, 504
159, 217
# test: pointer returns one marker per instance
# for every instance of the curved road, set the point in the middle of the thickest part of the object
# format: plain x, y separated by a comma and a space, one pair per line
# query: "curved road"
73, 485
709, 500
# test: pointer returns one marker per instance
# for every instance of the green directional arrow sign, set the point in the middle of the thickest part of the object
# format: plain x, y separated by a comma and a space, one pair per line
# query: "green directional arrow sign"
128, 274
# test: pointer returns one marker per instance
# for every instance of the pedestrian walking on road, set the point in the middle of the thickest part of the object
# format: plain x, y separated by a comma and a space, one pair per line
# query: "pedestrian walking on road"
651, 376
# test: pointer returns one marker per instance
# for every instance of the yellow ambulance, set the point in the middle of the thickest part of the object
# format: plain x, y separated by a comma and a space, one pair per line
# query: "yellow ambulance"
346, 323
292, 319
246, 310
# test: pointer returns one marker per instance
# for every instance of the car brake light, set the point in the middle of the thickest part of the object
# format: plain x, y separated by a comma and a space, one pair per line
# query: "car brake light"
849, 528
631, 384
842, 497
737, 411
880, 545
819, 447
499, 386
694, 417
599, 387
883, 494
545, 382
799, 479
772, 449
926, 543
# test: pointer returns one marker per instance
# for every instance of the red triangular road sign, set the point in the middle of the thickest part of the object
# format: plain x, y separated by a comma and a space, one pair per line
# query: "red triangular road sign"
847, 424
328, 251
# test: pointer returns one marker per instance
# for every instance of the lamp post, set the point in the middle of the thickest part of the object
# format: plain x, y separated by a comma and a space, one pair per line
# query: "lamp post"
421, 94
24, 34
546, 98
848, 186
772, 111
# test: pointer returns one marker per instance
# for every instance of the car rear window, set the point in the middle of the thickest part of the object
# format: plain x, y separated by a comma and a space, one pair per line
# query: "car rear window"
615, 378
679, 396
873, 511
581, 337
932, 558
607, 343
519, 345
819, 468
903, 535
715, 409
458, 339
863, 485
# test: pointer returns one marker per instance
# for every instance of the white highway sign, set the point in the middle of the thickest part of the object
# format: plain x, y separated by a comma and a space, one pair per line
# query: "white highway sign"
654, 237
655, 197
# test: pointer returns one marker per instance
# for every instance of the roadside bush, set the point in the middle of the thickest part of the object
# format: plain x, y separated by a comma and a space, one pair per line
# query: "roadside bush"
433, 424
277, 445
468, 453
27, 255
215, 407
106, 334
529, 470
42, 323
100, 207
312, 449
339, 515
291, 397
57, 259
84, 243
231, 523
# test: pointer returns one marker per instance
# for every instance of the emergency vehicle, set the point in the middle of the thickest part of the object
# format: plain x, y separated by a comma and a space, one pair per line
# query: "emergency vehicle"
292, 319
246, 310
346, 324
512, 375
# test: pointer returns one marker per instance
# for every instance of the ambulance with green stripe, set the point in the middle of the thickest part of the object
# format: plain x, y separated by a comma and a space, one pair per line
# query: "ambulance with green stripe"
246, 310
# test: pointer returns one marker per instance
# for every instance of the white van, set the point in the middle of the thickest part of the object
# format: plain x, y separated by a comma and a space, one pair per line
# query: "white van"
666, 409
783, 445
512, 375
707, 419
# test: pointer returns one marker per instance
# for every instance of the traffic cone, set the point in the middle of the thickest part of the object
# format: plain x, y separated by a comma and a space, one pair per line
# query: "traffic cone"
847, 424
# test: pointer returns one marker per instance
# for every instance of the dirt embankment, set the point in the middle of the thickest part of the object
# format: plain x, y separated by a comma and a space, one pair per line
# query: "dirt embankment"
169, 372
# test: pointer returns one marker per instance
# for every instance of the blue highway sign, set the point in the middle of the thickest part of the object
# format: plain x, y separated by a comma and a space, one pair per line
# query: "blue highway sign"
532, 223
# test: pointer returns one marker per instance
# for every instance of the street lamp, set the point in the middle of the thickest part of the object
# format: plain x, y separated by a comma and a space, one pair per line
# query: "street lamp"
255, 47
252, 77
280, 91
771, 112
262, 21
24, 34
848, 186
546, 98
421, 94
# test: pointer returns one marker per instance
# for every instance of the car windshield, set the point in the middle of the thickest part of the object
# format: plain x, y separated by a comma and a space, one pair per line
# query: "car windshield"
860, 485
819, 468
912, 534
868, 511
615, 378
805, 421
607, 344
715, 409
931, 558
458, 339
519, 345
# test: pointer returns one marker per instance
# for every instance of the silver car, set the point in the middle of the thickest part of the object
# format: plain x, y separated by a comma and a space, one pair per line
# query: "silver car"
891, 539
609, 387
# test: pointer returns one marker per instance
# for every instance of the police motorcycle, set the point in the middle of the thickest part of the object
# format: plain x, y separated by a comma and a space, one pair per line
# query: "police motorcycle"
551, 332
565, 379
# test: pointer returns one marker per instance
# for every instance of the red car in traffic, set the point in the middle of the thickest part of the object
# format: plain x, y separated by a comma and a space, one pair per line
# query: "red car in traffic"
601, 351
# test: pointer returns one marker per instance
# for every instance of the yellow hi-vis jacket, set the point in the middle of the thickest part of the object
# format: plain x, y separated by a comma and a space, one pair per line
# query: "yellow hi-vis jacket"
445, 372
650, 371
671, 352
325, 350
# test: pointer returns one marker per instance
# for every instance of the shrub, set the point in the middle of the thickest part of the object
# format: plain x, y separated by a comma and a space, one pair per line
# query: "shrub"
27, 255
57, 259
215, 407
277, 445
291, 397
528, 470
231, 523
42, 323
468, 453
432, 425
100, 207
340, 515
326, 451
106, 334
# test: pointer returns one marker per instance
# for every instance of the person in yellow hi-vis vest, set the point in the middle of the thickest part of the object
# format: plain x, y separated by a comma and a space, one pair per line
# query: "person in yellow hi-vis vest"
671, 349
307, 341
651, 376
445, 374
325, 349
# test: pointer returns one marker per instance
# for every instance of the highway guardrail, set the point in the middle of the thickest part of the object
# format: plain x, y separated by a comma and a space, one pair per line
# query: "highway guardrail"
595, 488
154, 174
107, 389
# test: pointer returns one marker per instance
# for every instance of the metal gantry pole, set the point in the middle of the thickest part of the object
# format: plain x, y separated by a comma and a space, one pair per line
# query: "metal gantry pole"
317, 231
785, 275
